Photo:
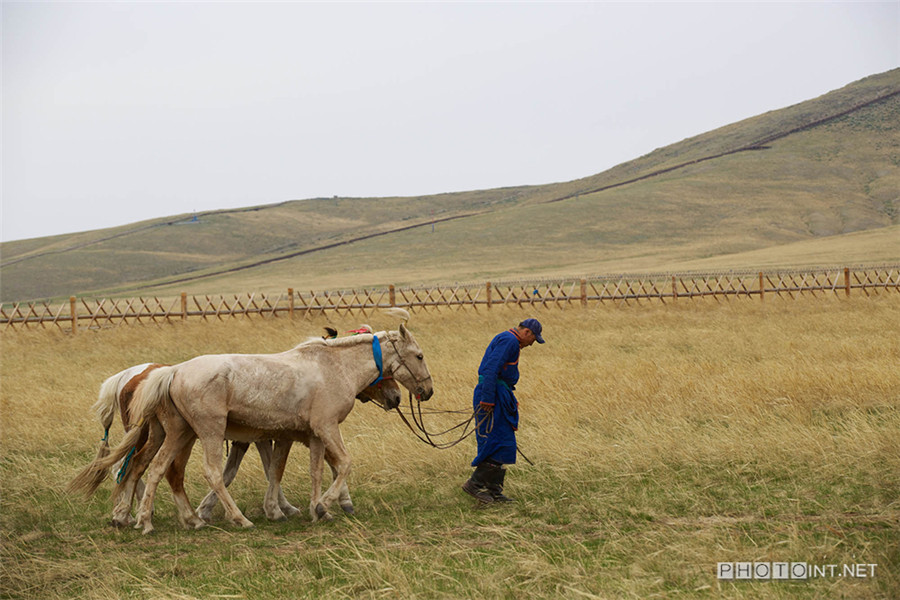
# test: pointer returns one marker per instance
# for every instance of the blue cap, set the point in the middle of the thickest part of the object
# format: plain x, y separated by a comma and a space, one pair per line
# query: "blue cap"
535, 326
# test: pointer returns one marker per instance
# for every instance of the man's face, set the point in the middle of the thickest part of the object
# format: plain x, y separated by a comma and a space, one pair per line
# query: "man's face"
527, 339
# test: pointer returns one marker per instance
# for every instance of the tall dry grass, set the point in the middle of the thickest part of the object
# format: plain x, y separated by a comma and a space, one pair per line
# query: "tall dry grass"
665, 438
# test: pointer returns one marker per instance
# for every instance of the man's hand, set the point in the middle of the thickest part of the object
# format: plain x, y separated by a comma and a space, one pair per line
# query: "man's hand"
484, 407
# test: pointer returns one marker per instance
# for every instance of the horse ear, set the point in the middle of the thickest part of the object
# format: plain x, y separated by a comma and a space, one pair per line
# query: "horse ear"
403, 333
399, 313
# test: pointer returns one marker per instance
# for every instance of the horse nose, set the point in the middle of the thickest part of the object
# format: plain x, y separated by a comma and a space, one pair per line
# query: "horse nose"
424, 394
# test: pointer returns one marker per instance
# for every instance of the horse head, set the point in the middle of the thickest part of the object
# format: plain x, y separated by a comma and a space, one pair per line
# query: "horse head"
385, 393
409, 366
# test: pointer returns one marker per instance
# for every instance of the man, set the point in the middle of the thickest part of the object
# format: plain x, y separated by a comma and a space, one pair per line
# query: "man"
497, 411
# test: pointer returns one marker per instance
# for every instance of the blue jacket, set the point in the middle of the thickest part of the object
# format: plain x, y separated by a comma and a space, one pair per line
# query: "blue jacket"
497, 378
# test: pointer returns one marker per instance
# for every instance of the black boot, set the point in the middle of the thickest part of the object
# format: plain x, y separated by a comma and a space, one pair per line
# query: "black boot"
496, 476
477, 485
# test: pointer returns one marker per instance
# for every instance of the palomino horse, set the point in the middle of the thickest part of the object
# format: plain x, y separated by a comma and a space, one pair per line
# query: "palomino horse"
299, 395
117, 392
385, 393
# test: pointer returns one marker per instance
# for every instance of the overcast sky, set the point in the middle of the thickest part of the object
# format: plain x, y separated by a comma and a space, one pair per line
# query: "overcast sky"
122, 111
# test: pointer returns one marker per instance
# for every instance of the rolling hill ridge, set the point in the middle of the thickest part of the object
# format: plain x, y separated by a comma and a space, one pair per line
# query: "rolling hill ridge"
816, 171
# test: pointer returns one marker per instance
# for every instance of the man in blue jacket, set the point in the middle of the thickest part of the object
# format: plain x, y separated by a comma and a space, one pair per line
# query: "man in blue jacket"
497, 411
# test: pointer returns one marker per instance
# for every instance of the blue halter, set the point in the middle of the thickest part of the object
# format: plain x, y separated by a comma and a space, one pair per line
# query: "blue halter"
379, 362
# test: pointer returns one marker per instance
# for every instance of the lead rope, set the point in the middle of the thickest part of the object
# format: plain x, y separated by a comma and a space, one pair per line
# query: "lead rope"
420, 422
426, 436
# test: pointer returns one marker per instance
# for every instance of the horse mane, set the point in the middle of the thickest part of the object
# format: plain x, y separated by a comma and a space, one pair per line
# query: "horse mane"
351, 340
363, 334
354, 340
313, 341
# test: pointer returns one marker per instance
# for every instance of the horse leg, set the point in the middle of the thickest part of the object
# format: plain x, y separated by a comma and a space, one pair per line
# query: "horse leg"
344, 499
287, 508
265, 455
123, 496
175, 476
174, 443
334, 446
212, 470
316, 454
139, 490
274, 466
238, 449
124, 492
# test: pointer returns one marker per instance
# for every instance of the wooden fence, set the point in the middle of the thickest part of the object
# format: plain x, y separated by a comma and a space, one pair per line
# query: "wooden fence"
85, 313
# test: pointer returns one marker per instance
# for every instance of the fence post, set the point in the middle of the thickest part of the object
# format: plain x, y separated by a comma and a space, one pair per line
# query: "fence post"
847, 281
183, 306
674, 289
487, 288
584, 293
392, 294
73, 311
762, 288
291, 303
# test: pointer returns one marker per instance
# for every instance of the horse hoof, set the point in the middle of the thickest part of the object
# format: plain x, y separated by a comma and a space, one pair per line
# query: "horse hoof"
322, 513
205, 513
348, 508
119, 524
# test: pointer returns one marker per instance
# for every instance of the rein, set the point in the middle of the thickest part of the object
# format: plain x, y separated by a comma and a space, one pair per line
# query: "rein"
425, 436
420, 431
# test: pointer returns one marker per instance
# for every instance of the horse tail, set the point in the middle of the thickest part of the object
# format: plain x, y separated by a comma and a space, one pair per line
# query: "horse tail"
111, 395
105, 406
148, 397
89, 479
152, 393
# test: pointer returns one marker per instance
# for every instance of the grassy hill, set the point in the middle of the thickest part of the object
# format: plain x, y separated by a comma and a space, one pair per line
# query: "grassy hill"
787, 188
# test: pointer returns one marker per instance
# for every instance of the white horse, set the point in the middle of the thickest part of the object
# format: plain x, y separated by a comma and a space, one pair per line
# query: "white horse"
299, 395
117, 391
385, 393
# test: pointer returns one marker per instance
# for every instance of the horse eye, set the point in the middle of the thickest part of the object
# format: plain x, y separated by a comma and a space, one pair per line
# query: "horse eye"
420, 356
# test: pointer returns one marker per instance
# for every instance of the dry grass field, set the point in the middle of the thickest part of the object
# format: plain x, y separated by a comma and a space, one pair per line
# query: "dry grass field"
665, 439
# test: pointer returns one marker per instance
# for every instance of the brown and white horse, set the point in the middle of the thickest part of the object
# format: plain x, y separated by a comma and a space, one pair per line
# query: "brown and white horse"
299, 395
